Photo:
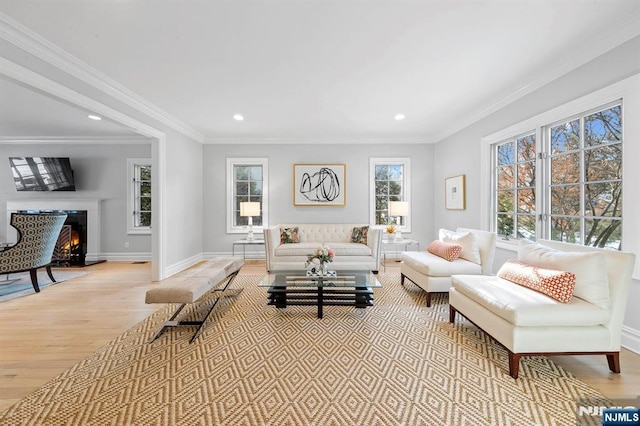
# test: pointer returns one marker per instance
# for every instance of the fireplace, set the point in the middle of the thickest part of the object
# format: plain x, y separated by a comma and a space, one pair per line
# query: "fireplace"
83, 228
71, 248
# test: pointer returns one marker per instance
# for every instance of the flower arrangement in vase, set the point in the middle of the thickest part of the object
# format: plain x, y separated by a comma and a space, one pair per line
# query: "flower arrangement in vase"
319, 259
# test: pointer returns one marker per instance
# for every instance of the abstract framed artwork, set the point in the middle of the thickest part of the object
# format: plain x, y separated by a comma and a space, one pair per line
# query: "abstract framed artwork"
319, 184
454, 193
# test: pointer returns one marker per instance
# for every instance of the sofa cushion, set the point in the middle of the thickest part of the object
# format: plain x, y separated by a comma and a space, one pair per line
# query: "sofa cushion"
435, 266
468, 241
350, 249
289, 235
592, 281
296, 249
359, 234
447, 251
525, 307
556, 284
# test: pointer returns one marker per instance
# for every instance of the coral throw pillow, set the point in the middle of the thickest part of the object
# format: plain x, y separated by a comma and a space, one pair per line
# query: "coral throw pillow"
556, 284
289, 235
446, 251
359, 234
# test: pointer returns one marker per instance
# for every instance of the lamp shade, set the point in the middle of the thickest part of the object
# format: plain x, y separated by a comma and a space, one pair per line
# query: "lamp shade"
398, 208
250, 209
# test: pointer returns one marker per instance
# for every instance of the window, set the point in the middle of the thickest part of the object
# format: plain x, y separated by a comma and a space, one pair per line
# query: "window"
576, 171
389, 181
247, 180
585, 179
515, 193
139, 196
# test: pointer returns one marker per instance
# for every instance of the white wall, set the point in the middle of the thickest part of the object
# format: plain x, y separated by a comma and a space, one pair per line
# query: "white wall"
100, 172
281, 208
609, 68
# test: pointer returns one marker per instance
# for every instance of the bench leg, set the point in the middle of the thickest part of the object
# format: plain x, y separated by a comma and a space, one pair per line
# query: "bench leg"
171, 322
168, 323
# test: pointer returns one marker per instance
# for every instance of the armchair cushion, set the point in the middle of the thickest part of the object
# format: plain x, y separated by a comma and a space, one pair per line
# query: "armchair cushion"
556, 284
592, 282
435, 266
521, 306
447, 251
467, 240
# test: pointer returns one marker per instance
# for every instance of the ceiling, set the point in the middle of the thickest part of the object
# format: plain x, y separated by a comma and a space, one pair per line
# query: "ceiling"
309, 70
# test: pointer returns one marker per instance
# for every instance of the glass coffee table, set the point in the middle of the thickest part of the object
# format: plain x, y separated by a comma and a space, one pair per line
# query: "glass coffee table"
344, 288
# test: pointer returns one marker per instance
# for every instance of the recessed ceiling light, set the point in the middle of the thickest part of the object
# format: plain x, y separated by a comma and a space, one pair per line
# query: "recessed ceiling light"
238, 117
399, 117
94, 117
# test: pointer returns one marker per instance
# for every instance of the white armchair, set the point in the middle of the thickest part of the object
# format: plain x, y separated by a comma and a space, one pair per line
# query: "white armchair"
433, 274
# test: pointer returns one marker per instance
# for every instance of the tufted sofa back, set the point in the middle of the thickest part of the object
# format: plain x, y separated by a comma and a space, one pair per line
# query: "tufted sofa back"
324, 232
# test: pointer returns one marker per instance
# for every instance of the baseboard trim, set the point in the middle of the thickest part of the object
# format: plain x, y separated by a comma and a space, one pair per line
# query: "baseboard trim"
182, 265
249, 256
124, 257
631, 339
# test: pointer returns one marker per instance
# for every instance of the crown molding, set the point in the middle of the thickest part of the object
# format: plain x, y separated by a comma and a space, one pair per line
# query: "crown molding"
27, 40
314, 141
70, 140
590, 50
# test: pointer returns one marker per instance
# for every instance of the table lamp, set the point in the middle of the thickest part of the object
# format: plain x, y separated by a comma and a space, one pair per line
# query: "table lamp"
250, 209
398, 209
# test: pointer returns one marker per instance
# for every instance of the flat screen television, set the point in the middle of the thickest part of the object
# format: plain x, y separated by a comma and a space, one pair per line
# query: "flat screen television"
42, 173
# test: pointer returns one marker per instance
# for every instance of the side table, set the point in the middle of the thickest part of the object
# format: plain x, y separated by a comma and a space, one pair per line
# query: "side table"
244, 243
406, 242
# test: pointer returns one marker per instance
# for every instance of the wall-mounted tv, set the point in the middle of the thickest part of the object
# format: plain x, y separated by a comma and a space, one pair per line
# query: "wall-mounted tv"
42, 173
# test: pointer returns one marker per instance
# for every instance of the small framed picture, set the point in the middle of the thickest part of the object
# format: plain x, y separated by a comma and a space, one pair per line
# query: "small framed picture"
319, 184
454, 193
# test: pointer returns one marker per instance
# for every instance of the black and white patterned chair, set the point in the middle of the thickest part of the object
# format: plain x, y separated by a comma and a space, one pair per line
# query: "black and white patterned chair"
37, 237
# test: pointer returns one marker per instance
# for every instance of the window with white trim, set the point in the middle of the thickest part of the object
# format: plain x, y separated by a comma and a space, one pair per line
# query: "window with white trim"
139, 195
567, 186
389, 180
247, 181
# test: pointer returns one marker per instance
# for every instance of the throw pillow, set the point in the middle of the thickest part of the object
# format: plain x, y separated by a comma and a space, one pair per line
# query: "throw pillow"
446, 251
359, 234
467, 240
289, 235
592, 281
558, 285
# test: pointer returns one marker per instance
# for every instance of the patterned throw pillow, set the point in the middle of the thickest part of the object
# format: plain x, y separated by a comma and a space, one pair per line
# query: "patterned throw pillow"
359, 234
289, 236
446, 251
556, 284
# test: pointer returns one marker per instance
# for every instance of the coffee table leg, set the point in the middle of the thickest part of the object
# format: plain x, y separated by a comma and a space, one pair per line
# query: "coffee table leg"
280, 297
320, 301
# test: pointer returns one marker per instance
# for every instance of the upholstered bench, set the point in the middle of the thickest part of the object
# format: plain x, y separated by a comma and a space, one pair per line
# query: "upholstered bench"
190, 287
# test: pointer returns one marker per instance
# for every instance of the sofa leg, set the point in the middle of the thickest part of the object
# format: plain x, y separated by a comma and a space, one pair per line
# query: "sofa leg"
514, 364
452, 314
401, 279
614, 362
428, 300
34, 279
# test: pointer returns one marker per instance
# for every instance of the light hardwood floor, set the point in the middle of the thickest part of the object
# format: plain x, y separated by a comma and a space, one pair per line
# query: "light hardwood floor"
43, 335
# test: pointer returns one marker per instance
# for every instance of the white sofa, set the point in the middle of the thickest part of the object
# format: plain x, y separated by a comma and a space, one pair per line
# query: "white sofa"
348, 255
433, 274
528, 323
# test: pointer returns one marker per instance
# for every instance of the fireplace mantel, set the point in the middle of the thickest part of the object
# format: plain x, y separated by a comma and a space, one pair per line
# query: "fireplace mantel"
91, 205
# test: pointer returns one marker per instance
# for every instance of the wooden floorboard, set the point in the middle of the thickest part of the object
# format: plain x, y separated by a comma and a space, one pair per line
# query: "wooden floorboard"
42, 335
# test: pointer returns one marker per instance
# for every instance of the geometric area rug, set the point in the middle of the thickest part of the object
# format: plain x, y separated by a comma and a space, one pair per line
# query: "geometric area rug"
395, 363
